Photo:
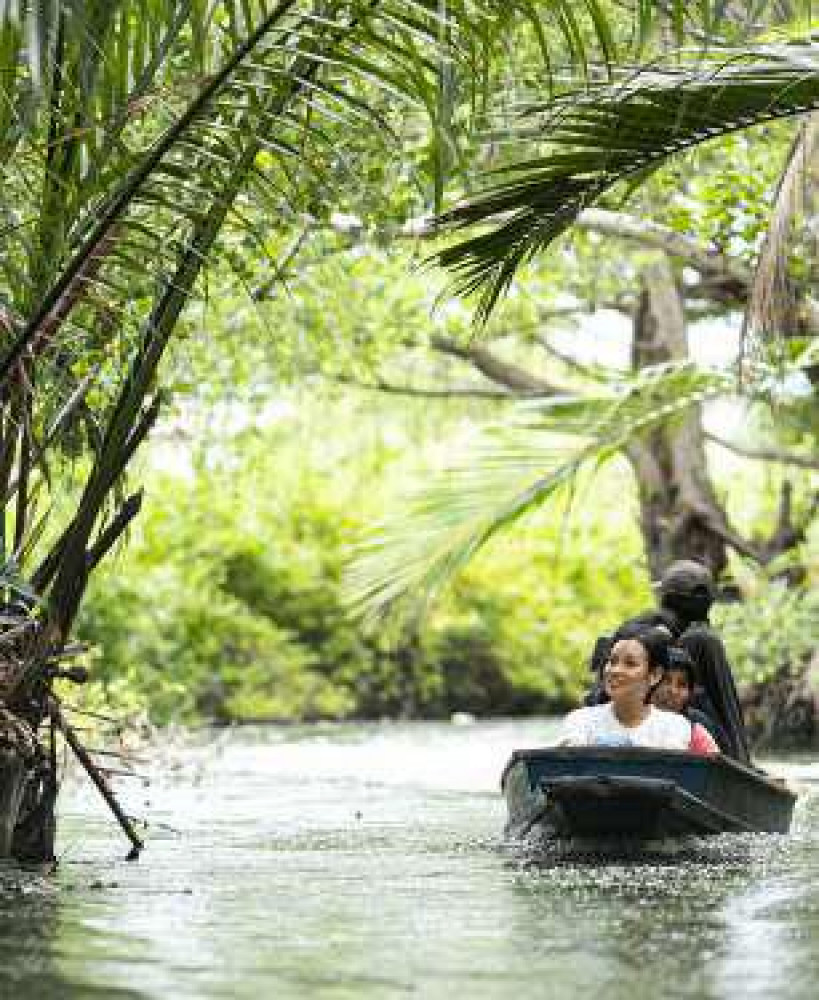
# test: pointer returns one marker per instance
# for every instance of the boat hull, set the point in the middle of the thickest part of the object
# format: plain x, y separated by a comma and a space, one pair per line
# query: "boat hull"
639, 794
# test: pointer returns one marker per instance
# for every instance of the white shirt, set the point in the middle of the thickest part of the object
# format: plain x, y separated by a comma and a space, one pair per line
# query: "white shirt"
599, 726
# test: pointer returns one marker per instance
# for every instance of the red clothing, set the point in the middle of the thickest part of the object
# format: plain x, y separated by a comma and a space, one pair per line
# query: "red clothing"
702, 742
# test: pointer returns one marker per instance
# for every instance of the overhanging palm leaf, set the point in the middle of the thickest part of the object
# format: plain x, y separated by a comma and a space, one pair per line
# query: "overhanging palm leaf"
595, 140
276, 73
101, 275
127, 206
517, 467
771, 301
119, 177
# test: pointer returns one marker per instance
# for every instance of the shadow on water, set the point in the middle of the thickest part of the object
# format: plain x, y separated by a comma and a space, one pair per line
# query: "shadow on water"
33, 935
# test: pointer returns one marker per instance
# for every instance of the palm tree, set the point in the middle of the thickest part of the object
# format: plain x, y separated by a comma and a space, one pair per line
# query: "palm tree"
563, 154
134, 137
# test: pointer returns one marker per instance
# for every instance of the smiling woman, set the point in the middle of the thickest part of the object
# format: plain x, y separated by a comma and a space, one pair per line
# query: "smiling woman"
635, 667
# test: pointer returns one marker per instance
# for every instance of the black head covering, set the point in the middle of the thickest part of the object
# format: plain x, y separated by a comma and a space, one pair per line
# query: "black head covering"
687, 591
680, 659
705, 715
687, 576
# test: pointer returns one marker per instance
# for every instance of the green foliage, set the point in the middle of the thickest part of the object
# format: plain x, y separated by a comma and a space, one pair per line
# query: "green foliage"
535, 457
541, 600
721, 192
227, 603
184, 628
771, 631
566, 154
116, 224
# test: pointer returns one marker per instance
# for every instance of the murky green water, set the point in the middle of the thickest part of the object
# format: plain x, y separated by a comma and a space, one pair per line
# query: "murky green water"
366, 862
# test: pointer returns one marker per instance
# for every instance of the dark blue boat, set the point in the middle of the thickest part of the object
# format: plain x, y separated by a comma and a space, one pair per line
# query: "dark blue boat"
639, 794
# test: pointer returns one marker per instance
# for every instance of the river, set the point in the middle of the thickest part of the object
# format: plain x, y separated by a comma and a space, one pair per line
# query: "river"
366, 861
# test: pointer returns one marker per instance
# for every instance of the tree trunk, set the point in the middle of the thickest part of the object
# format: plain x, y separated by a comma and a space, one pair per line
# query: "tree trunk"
680, 516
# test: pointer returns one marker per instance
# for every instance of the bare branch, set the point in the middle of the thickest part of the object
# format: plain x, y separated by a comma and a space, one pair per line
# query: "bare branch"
764, 454
735, 541
587, 371
724, 278
619, 225
789, 530
447, 392
511, 376
709, 263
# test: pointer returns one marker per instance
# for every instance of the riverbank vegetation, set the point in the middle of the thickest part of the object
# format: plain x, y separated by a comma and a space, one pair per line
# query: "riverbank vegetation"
230, 201
228, 602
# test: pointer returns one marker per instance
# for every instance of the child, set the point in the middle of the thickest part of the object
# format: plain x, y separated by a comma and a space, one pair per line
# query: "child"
674, 693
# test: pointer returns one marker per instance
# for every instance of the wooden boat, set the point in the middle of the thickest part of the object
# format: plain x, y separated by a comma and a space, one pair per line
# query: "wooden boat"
639, 794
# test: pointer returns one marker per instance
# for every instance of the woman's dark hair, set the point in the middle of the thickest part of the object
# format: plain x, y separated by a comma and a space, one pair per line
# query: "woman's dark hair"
655, 640
654, 618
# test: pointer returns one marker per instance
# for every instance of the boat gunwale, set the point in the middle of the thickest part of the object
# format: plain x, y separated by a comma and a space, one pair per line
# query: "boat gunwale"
776, 785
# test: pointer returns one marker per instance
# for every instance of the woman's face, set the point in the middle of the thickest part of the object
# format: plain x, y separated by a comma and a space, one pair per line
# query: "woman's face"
628, 676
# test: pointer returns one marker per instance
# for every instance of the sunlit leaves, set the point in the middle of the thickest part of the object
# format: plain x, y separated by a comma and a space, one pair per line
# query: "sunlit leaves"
516, 466
595, 140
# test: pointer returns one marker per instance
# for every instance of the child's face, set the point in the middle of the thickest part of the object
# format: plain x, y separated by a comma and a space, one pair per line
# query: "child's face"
673, 692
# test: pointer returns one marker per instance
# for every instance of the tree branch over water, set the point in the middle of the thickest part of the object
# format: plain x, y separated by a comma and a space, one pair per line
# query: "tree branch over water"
763, 454
505, 373
445, 392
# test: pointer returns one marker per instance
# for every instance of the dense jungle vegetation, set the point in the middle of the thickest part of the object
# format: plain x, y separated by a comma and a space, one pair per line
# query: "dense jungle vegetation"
227, 602
352, 288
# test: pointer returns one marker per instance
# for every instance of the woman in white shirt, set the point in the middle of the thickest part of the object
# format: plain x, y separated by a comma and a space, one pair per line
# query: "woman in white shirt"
637, 660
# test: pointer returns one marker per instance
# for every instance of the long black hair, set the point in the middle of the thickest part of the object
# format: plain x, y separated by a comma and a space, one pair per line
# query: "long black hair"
655, 640
658, 623
654, 618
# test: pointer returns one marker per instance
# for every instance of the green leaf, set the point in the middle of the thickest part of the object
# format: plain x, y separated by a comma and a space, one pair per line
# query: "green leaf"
611, 134
516, 467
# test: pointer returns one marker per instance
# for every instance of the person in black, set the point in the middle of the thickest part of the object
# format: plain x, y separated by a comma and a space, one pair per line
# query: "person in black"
686, 593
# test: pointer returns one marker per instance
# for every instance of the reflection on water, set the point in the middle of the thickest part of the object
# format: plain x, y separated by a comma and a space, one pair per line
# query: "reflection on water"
366, 862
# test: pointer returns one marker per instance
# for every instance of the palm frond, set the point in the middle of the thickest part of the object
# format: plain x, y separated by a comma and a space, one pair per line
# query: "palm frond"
125, 200
98, 255
517, 466
772, 296
597, 139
